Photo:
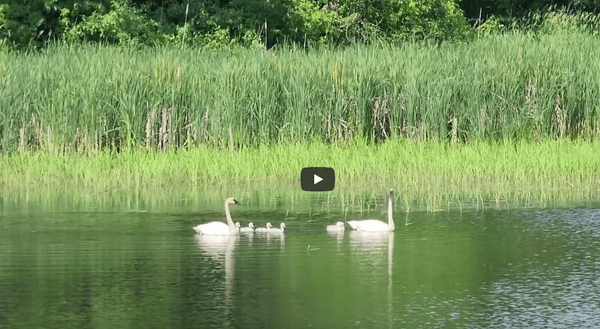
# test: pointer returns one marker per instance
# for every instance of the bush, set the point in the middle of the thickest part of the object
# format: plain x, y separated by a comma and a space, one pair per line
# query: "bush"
123, 24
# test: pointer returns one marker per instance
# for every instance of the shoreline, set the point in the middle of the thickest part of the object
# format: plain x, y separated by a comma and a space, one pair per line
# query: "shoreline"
433, 172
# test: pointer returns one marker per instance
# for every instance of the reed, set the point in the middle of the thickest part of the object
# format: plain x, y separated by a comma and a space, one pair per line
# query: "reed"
88, 98
434, 175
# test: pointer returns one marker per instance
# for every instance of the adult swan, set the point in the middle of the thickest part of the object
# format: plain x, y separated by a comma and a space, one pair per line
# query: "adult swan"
374, 225
220, 228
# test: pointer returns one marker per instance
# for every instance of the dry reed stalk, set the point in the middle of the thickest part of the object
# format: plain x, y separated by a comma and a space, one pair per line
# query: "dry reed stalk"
194, 132
76, 140
172, 130
34, 125
84, 142
49, 136
150, 120
403, 116
164, 124
22, 139
188, 136
530, 91
103, 135
482, 119
221, 131
531, 104
96, 140
560, 117
342, 130
231, 145
381, 118
454, 133
204, 127
40, 136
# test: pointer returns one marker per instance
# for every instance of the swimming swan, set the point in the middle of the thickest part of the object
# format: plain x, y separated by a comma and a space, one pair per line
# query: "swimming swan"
338, 227
263, 229
374, 225
249, 229
220, 228
277, 230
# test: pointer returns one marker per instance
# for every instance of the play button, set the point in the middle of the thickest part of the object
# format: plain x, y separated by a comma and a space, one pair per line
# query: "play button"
317, 179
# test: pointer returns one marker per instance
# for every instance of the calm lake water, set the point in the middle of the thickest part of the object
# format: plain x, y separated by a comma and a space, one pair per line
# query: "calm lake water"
148, 269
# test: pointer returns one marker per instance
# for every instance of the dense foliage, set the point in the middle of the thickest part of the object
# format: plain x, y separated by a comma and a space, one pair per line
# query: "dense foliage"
253, 22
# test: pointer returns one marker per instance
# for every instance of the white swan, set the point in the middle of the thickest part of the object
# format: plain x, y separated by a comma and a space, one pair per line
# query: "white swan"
338, 227
374, 225
277, 230
249, 229
263, 229
220, 228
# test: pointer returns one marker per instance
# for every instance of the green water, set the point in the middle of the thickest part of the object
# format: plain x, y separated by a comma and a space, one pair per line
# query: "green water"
89, 268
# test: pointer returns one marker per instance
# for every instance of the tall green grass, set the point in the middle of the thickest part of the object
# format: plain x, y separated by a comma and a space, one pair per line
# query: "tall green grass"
91, 98
429, 174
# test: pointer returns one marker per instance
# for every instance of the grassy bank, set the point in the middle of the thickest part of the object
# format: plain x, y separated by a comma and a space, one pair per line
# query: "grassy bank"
515, 86
431, 174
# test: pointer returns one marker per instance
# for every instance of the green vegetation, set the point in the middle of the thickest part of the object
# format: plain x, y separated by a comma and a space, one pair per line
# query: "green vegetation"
88, 99
208, 23
131, 96
225, 23
429, 174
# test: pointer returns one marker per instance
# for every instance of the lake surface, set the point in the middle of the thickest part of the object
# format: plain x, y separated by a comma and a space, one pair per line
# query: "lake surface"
148, 269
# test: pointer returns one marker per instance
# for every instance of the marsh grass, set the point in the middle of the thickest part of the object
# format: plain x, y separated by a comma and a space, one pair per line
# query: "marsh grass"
73, 99
432, 175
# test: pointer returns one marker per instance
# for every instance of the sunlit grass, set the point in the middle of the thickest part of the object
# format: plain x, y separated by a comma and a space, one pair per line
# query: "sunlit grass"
429, 174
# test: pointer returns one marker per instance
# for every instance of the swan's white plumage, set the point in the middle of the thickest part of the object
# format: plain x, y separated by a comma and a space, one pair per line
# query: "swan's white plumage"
264, 229
277, 230
368, 225
220, 228
213, 228
374, 225
338, 227
249, 229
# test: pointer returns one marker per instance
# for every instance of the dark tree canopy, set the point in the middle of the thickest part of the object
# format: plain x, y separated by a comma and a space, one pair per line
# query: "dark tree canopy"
36, 22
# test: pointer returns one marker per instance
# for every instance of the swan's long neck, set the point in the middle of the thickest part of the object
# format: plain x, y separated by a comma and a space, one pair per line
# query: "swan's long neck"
228, 216
391, 225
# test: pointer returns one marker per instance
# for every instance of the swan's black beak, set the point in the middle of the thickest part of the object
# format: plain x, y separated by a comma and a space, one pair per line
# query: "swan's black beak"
236, 202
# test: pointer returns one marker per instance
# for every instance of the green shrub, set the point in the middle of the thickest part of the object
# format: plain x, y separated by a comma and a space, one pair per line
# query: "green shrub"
123, 24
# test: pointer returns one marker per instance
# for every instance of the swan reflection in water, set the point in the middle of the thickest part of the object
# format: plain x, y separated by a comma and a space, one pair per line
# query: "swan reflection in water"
367, 244
221, 249
274, 238
338, 235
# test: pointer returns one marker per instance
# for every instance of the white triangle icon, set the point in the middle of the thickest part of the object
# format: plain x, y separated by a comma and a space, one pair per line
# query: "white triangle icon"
317, 179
